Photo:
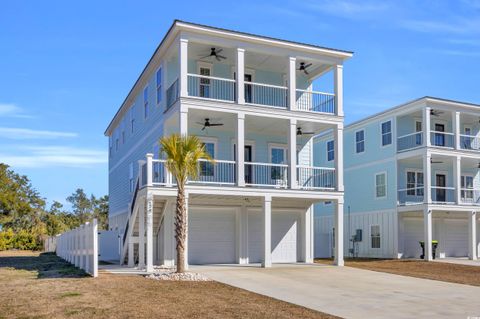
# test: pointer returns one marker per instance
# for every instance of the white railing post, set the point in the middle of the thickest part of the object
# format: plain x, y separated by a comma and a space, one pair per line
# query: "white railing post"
149, 265
240, 150
457, 179
149, 169
338, 88
456, 129
183, 66
427, 177
426, 125
240, 85
292, 154
292, 83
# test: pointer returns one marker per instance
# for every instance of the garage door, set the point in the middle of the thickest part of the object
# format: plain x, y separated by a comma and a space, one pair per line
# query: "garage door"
211, 237
456, 238
284, 236
413, 234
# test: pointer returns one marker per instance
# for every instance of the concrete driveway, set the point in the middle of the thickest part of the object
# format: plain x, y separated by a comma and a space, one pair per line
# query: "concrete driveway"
353, 293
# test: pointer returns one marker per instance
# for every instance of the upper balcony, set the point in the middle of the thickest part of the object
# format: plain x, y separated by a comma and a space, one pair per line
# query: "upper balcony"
254, 76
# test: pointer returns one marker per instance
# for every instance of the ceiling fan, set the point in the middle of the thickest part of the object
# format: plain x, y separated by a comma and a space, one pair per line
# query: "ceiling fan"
435, 112
303, 67
207, 124
435, 162
215, 53
300, 132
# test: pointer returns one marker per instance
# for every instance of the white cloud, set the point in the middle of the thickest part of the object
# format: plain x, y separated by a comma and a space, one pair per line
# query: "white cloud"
348, 8
459, 25
12, 110
54, 156
23, 133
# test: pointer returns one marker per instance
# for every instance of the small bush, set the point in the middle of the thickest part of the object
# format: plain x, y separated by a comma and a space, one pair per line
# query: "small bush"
6, 239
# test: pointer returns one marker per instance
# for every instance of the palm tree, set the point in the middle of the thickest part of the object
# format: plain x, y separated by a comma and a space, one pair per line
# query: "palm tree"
182, 161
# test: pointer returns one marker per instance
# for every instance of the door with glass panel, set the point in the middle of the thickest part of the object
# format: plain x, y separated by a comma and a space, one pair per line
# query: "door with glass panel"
440, 191
278, 174
204, 84
439, 135
207, 169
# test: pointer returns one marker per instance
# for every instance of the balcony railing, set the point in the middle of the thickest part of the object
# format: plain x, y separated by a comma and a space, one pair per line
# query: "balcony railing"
442, 139
314, 101
266, 94
409, 141
410, 196
320, 178
266, 174
172, 94
469, 142
469, 196
219, 172
443, 195
209, 87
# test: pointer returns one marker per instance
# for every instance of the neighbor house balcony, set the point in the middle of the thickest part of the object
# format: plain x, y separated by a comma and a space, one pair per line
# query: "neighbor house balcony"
257, 175
439, 195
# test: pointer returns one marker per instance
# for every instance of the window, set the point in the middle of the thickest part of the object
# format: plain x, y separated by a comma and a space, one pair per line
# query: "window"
130, 178
145, 102
414, 183
278, 156
375, 236
380, 185
467, 188
132, 119
206, 168
159, 85
327, 203
386, 133
418, 129
204, 82
330, 151
116, 144
360, 141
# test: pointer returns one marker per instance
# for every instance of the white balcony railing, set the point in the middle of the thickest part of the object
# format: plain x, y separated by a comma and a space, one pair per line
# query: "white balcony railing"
266, 174
469, 196
321, 178
266, 94
409, 141
410, 196
219, 172
442, 139
469, 142
314, 101
209, 87
443, 195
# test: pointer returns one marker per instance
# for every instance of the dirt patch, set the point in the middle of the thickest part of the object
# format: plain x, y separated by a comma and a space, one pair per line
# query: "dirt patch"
460, 274
27, 292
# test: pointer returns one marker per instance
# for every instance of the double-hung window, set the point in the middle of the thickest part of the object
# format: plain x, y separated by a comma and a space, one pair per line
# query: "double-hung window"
467, 188
375, 236
159, 85
360, 141
386, 133
330, 151
207, 171
145, 103
414, 183
204, 85
380, 185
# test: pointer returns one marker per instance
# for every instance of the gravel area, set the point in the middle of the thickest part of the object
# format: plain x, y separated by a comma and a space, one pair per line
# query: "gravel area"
164, 273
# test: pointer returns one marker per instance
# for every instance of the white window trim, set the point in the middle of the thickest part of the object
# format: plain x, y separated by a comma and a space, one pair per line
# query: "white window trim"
381, 133
277, 145
246, 143
162, 85
145, 114
326, 146
416, 171
379, 235
355, 141
214, 141
375, 185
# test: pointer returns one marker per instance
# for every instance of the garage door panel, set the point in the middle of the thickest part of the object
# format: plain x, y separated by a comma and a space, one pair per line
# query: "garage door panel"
456, 238
413, 234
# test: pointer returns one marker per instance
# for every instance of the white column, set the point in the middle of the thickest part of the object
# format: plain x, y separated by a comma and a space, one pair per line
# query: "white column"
292, 154
427, 223
141, 234
240, 149
183, 66
242, 235
183, 121
240, 85
267, 231
338, 88
339, 233
456, 129
427, 178
457, 175
338, 154
472, 235
307, 244
426, 126
187, 195
149, 169
292, 83
149, 267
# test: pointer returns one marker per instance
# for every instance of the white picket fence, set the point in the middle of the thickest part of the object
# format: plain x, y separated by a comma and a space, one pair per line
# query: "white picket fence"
79, 246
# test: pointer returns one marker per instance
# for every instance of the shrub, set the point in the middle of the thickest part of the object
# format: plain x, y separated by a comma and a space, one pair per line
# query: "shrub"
6, 239
25, 240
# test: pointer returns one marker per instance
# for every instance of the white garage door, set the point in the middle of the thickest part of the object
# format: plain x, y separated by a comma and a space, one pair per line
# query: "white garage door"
284, 236
211, 237
456, 238
413, 234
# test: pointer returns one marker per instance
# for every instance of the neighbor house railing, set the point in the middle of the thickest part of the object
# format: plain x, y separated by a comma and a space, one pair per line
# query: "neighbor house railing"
409, 141
470, 196
321, 178
469, 142
442, 139
210, 87
266, 94
314, 101
172, 94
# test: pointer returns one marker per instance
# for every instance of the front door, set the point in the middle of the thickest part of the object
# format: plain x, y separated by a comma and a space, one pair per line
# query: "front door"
439, 137
440, 190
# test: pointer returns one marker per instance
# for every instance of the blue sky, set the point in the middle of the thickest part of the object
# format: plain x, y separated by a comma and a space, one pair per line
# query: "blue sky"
66, 66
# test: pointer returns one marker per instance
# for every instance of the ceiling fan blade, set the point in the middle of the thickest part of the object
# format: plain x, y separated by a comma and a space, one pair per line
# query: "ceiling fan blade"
217, 124
306, 66
308, 133
219, 50
306, 72
206, 56
200, 123
203, 128
221, 56
218, 59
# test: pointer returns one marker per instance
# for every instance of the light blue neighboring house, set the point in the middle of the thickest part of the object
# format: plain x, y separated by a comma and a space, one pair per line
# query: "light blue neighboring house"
411, 175
256, 103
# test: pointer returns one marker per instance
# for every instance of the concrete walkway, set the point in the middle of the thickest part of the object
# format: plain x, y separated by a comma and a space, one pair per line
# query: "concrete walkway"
459, 261
353, 293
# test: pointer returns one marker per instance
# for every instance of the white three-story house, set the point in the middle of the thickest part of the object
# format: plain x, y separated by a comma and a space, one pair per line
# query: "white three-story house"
251, 100
411, 175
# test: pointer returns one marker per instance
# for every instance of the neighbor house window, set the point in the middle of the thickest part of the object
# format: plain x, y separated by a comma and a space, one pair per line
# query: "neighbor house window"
414, 183
130, 178
145, 102
380, 185
330, 151
386, 133
159, 85
206, 168
360, 141
375, 236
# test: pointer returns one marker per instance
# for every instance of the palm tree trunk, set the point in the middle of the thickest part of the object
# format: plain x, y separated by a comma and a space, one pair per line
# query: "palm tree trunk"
181, 228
